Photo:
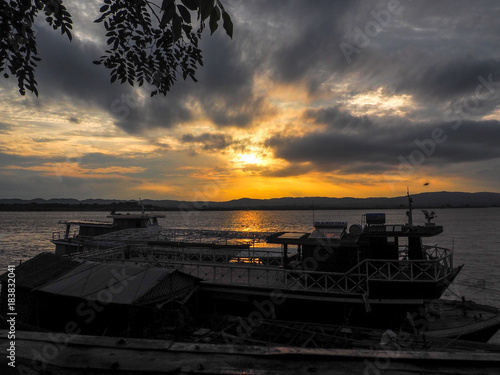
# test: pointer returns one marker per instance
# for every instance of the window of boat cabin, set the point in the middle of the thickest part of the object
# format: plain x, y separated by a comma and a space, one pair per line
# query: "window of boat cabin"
327, 233
333, 230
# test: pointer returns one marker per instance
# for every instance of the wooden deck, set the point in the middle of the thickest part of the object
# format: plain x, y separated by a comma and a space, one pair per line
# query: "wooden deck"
63, 354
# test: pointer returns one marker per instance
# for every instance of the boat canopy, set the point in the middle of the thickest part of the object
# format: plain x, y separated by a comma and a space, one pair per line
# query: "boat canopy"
123, 283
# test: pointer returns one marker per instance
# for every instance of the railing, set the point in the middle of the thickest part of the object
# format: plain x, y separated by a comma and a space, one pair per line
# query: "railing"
438, 265
57, 236
254, 256
280, 278
249, 268
114, 253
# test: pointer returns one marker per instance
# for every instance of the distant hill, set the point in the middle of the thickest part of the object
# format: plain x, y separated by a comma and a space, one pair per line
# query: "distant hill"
429, 200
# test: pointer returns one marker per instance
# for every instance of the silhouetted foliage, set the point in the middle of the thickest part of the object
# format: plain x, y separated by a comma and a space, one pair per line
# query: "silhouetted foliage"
148, 41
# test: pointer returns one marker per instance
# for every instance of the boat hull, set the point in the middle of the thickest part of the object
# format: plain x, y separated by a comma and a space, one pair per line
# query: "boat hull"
255, 305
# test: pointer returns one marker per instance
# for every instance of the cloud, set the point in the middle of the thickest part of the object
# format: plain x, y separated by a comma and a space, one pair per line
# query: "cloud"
209, 141
284, 79
339, 119
381, 147
5, 128
48, 140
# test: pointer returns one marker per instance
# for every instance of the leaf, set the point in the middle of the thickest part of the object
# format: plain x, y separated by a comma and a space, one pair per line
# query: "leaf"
166, 3
186, 16
177, 27
104, 8
206, 8
214, 19
167, 15
227, 24
191, 4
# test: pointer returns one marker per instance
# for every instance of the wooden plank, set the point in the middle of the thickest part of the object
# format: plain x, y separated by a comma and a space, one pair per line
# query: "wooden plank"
162, 346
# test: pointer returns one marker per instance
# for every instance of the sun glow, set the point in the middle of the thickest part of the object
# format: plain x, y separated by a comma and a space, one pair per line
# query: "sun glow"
250, 159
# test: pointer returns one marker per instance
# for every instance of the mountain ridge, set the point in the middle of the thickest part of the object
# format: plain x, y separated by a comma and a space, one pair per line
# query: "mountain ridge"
431, 200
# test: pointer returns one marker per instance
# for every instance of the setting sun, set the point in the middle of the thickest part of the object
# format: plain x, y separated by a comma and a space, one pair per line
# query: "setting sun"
250, 159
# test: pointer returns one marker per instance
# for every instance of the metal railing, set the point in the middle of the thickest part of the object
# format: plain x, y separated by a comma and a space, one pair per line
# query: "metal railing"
58, 236
246, 268
114, 253
254, 256
271, 278
437, 265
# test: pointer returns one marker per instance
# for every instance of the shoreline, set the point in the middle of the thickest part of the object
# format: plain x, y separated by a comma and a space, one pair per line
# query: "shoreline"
108, 208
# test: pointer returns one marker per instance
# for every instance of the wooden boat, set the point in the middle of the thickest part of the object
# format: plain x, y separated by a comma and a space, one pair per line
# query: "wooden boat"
461, 320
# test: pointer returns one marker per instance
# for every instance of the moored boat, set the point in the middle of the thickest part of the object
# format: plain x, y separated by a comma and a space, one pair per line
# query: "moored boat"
373, 274
69, 242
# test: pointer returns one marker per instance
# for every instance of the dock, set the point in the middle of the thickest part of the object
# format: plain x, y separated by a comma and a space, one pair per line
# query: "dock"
66, 354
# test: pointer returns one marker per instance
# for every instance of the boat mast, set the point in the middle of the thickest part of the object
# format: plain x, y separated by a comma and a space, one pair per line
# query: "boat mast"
142, 205
409, 213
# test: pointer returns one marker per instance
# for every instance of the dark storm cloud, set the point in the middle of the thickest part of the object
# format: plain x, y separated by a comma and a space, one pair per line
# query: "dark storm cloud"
224, 90
298, 40
210, 141
382, 147
226, 82
339, 119
66, 70
449, 79
435, 52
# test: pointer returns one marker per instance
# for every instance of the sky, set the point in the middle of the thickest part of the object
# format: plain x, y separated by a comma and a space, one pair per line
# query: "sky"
309, 98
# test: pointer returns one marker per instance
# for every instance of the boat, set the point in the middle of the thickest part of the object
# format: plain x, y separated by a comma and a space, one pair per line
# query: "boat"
73, 241
373, 274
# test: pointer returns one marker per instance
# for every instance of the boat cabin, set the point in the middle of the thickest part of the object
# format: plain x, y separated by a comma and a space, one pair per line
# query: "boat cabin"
70, 242
332, 247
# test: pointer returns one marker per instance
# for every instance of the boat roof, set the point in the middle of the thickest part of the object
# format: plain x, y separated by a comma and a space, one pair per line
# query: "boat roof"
88, 223
403, 230
127, 284
295, 238
128, 216
334, 232
41, 269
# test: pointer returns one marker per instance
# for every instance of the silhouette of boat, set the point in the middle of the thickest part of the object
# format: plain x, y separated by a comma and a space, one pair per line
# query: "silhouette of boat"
376, 274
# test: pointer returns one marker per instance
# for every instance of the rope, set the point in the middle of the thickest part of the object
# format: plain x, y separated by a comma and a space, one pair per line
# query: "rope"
456, 338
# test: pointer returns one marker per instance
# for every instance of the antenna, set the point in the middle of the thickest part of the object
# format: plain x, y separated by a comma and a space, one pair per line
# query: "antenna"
313, 212
142, 205
409, 213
